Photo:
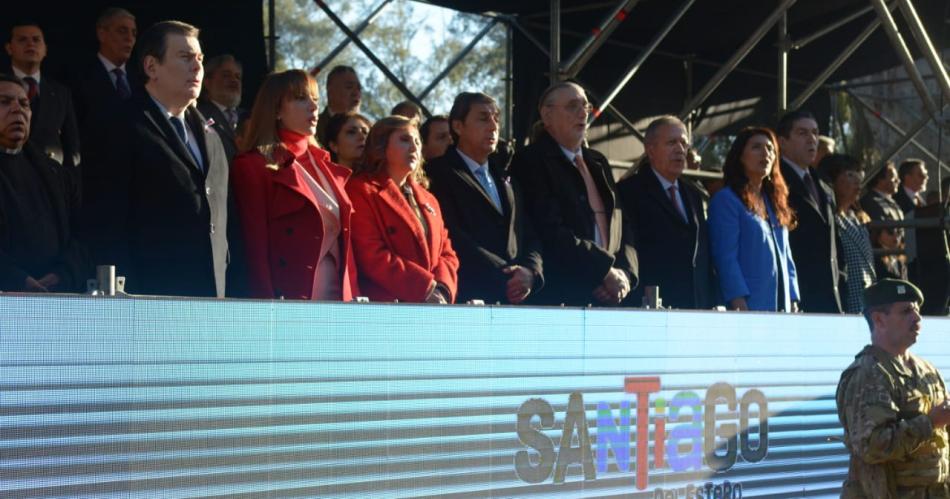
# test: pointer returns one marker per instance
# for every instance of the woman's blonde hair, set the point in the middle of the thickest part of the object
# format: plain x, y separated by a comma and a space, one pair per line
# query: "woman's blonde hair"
374, 155
260, 131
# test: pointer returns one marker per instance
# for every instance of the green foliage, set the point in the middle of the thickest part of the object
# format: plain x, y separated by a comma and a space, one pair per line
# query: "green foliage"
415, 42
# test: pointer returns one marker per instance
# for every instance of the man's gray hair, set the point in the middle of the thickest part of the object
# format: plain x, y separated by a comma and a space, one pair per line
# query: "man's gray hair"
662, 121
214, 63
111, 13
548, 92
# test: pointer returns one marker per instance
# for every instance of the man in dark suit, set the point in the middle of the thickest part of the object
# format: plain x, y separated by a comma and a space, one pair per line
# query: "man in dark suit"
499, 253
38, 202
156, 184
53, 129
669, 224
104, 81
344, 93
813, 243
913, 176
879, 201
572, 202
221, 98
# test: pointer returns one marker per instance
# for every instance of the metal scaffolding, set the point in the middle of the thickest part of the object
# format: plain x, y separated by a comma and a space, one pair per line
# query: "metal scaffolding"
616, 12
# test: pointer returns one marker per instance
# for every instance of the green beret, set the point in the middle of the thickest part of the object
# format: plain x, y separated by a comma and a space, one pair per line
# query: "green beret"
888, 291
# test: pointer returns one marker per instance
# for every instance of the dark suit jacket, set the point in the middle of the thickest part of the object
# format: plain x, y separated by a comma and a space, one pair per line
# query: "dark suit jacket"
557, 204
814, 246
485, 239
151, 210
53, 128
903, 200
71, 264
225, 132
881, 207
673, 252
93, 90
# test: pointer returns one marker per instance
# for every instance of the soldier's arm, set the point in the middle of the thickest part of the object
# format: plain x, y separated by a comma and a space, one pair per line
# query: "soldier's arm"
877, 433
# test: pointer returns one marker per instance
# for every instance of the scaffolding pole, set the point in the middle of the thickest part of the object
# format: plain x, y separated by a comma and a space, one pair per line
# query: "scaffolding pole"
737, 58
458, 58
903, 53
783, 46
895, 127
372, 57
842, 57
346, 41
632, 70
901, 144
798, 44
598, 36
919, 32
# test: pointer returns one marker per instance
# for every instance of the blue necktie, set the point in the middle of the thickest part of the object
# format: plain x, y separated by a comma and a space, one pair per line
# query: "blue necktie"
481, 173
180, 129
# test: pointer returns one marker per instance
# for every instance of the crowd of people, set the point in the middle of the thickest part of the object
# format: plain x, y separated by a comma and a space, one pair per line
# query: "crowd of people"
147, 162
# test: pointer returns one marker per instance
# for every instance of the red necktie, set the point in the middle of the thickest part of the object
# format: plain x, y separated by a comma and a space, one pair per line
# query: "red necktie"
32, 88
593, 197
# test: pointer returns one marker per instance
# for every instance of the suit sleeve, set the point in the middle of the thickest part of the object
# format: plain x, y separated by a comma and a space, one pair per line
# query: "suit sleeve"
725, 237
530, 251
446, 271
73, 267
70, 133
489, 265
249, 185
589, 262
375, 260
627, 259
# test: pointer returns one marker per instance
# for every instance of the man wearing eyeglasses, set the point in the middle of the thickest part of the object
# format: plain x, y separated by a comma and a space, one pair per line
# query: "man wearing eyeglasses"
572, 200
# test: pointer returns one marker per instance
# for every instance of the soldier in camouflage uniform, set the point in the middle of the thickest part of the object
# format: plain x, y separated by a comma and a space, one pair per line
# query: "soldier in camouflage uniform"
893, 405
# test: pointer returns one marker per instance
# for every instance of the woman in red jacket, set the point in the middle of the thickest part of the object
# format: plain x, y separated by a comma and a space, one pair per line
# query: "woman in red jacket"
294, 210
401, 244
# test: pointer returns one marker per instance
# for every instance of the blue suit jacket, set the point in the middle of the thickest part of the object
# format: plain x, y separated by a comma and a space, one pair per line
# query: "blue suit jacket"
744, 256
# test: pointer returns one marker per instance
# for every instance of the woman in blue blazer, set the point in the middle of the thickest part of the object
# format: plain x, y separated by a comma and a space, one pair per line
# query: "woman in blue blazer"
749, 222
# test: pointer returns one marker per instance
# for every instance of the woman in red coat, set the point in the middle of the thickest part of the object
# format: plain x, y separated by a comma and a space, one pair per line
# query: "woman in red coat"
294, 210
401, 244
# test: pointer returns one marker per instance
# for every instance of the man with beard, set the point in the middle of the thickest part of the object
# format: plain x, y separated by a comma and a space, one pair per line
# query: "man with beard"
38, 204
221, 98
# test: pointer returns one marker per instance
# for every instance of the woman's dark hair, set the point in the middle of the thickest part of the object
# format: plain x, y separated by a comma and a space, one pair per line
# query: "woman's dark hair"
335, 125
833, 166
773, 185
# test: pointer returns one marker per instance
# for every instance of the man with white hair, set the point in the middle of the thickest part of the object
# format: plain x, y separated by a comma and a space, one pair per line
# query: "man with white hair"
572, 200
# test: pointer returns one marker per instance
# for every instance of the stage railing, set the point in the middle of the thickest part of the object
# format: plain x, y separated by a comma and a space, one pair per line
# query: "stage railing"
150, 397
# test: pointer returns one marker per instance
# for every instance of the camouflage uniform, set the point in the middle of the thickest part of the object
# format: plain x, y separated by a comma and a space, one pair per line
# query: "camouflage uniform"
895, 450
